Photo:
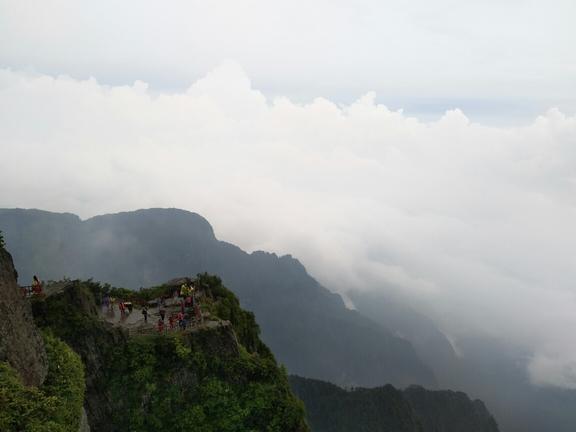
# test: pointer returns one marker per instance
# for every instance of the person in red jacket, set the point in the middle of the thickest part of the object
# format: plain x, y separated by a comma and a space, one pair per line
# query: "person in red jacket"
122, 308
36, 285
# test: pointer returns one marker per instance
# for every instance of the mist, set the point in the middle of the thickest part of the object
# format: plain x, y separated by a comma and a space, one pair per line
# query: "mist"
471, 224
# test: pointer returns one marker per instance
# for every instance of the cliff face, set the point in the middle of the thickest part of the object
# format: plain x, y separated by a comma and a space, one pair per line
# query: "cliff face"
41, 378
381, 409
21, 344
218, 378
58, 355
73, 316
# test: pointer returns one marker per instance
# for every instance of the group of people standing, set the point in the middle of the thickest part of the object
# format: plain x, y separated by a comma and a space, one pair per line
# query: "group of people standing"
178, 310
123, 306
189, 311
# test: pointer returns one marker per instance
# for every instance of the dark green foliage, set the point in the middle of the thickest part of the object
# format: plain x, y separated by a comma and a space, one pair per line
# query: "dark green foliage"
222, 303
449, 411
384, 409
65, 380
2, 244
202, 381
70, 315
141, 296
54, 407
333, 409
184, 383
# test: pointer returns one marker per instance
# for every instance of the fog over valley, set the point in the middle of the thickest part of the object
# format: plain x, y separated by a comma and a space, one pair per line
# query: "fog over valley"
471, 223
377, 196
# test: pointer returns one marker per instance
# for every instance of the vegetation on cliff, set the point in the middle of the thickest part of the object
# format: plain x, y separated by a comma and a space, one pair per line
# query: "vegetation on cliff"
333, 409
212, 380
382, 409
53, 407
446, 410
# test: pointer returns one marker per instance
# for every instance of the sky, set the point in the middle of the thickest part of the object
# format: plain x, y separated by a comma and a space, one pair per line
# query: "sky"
424, 146
502, 61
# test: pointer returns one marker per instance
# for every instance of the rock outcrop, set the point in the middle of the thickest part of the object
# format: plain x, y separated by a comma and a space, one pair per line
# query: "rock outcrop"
215, 378
21, 343
382, 409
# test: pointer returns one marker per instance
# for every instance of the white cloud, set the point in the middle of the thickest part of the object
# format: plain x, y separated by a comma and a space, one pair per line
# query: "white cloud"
474, 224
493, 56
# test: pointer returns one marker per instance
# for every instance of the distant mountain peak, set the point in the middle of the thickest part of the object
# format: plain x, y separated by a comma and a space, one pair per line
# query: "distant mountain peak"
307, 326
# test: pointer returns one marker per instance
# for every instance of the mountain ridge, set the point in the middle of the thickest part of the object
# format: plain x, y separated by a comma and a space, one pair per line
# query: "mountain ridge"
308, 327
382, 409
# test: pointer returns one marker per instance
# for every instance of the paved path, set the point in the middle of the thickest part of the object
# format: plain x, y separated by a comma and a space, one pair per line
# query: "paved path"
134, 322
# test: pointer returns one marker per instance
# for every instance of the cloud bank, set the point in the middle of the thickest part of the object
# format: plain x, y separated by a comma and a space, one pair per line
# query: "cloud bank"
473, 224
505, 58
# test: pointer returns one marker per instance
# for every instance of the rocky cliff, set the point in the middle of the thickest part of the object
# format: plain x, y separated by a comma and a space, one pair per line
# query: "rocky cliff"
41, 378
218, 377
64, 368
21, 343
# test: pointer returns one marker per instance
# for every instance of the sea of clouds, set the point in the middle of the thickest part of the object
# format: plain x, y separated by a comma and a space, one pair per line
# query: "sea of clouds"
474, 225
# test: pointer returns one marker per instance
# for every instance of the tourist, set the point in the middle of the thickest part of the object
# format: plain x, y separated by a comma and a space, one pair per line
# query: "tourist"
122, 308
36, 285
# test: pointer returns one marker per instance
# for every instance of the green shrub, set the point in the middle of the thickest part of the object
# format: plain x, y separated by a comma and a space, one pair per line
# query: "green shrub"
55, 406
210, 380
223, 304
174, 382
65, 381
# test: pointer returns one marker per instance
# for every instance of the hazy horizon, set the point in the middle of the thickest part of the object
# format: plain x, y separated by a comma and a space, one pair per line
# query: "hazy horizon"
284, 126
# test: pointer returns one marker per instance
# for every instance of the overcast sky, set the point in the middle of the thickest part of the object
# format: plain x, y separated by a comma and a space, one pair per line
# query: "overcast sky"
501, 61
280, 122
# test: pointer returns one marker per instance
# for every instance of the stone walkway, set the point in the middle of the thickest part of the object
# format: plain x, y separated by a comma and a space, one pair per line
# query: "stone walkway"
134, 321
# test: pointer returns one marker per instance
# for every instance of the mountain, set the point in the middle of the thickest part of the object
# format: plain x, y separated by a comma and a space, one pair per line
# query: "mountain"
83, 372
449, 411
431, 345
496, 371
486, 368
308, 328
381, 409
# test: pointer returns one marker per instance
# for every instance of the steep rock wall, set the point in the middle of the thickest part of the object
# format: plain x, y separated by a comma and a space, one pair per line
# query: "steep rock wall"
21, 343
